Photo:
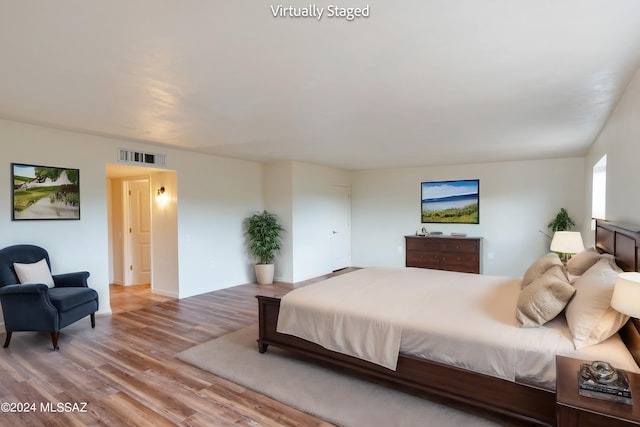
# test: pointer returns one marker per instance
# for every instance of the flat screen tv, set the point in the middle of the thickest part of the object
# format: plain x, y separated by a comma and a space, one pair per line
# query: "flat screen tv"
450, 202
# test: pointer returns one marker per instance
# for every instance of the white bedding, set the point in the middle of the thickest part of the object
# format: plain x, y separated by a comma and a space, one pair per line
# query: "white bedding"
460, 319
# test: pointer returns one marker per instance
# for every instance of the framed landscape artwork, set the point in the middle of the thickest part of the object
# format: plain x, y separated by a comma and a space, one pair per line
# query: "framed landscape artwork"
44, 192
456, 202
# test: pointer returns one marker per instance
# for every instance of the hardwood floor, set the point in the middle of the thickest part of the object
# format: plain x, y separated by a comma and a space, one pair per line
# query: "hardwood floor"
127, 298
123, 372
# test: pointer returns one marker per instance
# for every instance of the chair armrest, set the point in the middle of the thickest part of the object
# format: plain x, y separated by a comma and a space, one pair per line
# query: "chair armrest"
78, 279
28, 307
31, 288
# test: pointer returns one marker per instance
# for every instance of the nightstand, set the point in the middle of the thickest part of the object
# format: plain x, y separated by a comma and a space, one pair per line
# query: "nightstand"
573, 410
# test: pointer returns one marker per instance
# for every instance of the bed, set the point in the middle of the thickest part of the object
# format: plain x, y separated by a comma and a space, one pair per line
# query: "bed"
515, 397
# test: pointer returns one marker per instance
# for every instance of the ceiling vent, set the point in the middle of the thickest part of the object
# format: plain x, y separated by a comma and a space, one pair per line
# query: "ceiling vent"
143, 159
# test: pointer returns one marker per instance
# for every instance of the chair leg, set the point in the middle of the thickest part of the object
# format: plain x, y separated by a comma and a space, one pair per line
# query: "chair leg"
7, 340
93, 320
54, 339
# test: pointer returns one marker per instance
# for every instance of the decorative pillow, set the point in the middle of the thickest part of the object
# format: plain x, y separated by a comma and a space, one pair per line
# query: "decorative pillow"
589, 314
539, 267
544, 298
38, 272
612, 261
582, 261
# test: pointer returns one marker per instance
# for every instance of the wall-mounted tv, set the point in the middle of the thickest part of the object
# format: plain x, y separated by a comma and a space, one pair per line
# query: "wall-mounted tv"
450, 202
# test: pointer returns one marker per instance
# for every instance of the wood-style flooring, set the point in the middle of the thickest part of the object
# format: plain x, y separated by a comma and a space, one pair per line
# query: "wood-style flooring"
127, 298
123, 372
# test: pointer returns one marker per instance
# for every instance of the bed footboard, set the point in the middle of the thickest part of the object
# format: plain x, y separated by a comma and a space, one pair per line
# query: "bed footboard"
521, 401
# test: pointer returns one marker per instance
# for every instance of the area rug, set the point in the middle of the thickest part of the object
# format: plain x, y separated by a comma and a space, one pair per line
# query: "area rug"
330, 394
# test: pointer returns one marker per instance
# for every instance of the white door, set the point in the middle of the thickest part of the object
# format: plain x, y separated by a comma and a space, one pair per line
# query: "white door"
138, 253
340, 227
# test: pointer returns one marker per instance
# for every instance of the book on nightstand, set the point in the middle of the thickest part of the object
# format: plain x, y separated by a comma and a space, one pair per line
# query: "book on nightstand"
616, 389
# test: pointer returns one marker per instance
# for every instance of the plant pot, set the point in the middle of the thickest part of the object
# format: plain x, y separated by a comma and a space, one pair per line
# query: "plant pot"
264, 273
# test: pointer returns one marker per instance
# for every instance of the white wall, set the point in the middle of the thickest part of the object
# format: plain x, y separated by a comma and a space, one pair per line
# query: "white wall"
517, 199
620, 141
278, 187
214, 196
164, 232
115, 226
72, 245
312, 205
300, 194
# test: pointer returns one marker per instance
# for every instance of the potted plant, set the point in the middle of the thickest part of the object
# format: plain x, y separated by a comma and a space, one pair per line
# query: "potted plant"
562, 221
264, 233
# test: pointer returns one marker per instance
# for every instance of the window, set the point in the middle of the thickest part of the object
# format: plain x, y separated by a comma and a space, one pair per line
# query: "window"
599, 189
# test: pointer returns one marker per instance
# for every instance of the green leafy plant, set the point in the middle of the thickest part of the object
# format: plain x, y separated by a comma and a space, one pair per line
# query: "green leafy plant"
562, 221
265, 236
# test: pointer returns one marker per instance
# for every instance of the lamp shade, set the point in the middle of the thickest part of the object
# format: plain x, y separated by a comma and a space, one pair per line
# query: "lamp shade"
626, 294
568, 242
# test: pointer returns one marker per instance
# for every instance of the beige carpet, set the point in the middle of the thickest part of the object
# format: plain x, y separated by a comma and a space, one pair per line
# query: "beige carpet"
327, 393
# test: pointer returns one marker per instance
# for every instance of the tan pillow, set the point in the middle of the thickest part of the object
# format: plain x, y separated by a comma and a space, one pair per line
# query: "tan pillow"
544, 298
612, 261
589, 314
582, 261
539, 267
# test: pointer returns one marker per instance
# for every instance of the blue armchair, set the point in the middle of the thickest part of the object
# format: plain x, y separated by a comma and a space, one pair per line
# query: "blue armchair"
35, 306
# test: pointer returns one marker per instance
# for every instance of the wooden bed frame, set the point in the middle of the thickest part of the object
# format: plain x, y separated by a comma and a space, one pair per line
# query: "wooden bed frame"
518, 400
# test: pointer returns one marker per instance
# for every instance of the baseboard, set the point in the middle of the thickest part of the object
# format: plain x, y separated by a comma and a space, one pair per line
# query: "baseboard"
164, 293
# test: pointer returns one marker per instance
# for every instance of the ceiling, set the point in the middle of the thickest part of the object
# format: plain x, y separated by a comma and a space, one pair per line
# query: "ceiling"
418, 82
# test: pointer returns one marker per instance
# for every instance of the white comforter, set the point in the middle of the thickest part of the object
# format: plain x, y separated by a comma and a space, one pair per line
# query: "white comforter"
460, 319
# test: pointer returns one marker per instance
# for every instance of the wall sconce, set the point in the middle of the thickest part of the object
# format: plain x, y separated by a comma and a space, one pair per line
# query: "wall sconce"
161, 196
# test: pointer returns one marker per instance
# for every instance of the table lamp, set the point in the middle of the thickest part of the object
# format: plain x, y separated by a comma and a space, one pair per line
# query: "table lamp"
626, 294
567, 242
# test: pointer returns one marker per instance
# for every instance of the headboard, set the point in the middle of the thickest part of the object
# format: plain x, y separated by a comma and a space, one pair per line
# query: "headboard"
620, 240
623, 240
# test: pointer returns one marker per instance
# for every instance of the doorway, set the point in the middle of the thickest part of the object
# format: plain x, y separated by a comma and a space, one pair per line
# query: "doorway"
340, 227
143, 239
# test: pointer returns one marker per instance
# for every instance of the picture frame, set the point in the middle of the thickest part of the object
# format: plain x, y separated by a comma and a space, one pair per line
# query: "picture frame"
44, 192
450, 202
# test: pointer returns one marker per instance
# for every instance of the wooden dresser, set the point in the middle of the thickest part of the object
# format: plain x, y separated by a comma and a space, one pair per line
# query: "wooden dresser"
461, 254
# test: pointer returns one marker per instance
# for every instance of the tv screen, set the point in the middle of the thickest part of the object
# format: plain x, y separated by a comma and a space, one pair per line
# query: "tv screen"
455, 202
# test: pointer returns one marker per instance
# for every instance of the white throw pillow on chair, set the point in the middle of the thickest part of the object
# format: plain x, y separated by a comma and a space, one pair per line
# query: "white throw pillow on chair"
37, 272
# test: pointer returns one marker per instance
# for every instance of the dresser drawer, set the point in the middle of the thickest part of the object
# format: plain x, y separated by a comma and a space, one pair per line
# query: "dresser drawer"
458, 262
423, 259
423, 244
460, 246
444, 253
